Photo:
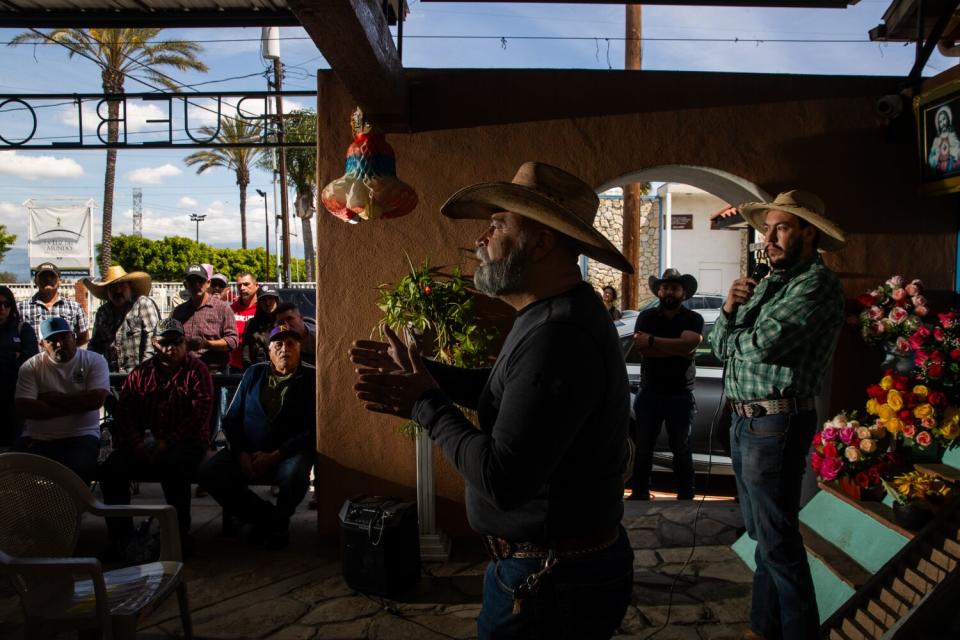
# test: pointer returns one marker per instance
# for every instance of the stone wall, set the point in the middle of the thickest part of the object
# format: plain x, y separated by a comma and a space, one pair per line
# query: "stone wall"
610, 223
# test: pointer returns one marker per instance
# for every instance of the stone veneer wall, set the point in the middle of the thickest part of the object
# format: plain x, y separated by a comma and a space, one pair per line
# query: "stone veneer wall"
610, 223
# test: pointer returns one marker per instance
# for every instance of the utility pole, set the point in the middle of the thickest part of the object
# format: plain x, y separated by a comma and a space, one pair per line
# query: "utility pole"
285, 222
198, 218
629, 284
266, 233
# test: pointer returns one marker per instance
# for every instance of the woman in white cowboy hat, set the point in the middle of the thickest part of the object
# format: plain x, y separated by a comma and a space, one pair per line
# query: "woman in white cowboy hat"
776, 338
124, 324
544, 472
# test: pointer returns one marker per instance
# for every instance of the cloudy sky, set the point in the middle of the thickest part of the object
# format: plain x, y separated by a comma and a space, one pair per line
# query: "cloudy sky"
568, 36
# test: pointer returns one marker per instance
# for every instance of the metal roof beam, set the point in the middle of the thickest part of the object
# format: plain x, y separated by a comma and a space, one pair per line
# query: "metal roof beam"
24, 18
354, 39
796, 4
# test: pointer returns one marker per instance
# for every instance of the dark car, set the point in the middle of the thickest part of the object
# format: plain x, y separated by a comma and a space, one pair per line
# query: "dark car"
709, 453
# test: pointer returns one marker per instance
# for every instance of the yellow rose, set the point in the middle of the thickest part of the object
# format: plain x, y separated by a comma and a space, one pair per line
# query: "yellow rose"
886, 412
873, 407
852, 454
894, 425
895, 400
886, 383
923, 411
950, 430
921, 390
868, 446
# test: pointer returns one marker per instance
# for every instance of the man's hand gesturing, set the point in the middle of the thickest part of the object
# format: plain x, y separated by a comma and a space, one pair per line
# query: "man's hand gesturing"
391, 377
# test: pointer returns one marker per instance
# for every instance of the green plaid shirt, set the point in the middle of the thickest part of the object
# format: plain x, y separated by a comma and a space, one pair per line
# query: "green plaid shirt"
780, 342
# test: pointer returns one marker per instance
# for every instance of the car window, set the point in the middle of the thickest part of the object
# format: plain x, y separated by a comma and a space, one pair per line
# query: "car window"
704, 356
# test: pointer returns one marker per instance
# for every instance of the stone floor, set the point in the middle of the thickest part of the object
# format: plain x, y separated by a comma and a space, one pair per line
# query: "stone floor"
238, 591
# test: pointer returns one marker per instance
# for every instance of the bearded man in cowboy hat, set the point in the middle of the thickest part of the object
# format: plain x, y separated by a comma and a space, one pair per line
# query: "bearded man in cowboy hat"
667, 336
544, 472
776, 338
124, 323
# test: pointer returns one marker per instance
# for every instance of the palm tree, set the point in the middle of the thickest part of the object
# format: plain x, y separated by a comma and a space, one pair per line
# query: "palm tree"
239, 159
121, 54
301, 126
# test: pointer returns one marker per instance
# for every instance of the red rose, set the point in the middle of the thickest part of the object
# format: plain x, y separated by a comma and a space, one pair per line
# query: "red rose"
875, 391
936, 398
920, 357
899, 385
904, 414
830, 450
865, 299
816, 439
935, 370
955, 354
874, 475
937, 356
862, 479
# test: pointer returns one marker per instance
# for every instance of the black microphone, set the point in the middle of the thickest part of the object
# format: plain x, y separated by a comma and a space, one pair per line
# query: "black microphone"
760, 271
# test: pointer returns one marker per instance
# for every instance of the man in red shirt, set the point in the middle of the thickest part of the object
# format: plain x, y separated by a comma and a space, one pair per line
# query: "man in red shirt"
244, 308
162, 429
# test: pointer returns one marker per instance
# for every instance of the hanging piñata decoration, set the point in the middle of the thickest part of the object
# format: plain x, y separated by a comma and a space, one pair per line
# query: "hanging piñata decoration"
370, 188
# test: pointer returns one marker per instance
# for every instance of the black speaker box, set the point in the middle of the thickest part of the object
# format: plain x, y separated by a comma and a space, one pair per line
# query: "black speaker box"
379, 544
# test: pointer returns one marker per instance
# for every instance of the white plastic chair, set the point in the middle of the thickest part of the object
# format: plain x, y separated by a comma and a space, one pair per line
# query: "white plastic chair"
41, 505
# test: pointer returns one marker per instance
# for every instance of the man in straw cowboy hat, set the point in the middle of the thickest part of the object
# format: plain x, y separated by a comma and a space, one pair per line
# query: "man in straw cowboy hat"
666, 336
124, 323
543, 472
776, 338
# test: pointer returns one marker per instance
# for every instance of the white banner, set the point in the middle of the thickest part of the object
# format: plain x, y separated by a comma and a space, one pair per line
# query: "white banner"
61, 233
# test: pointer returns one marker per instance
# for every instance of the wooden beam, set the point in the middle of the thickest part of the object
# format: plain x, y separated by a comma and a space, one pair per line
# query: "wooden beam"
353, 37
795, 4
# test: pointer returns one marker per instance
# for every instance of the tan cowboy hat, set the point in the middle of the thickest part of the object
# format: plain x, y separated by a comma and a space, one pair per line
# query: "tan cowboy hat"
548, 195
140, 282
802, 204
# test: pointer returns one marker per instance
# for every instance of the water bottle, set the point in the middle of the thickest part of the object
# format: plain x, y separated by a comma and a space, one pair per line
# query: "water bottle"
106, 446
148, 440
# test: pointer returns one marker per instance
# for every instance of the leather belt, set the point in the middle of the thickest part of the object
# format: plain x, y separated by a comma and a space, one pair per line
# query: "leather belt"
500, 549
760, 408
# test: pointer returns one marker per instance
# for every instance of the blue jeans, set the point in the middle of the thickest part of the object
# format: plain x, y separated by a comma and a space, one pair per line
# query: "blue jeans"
769, 458
79, 453
676, 411
222, 478
582, 598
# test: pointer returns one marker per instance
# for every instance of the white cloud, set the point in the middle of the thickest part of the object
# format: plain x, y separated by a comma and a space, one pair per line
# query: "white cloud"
153, 175
187, 201
35, 167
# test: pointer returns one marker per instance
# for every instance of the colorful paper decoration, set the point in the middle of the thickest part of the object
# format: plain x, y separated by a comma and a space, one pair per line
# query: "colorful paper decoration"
369, 189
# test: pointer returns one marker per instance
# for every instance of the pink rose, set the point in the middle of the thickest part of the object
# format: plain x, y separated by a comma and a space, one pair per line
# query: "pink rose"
924, 439
876, 328
875, 313
928, 423
846, 435
896, 281
828, 434
898, 315
947, 319
912, 289
903, 345
918, 301
938, 334
916, 282
921, 311
909, 430
830, 468
898, 294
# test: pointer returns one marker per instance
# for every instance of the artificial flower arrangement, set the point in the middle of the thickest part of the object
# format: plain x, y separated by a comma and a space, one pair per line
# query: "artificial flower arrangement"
914, 413
917, 496
892, 312
854, 454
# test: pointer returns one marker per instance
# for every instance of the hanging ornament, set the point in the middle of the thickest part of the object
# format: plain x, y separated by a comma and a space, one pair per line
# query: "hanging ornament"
369, 189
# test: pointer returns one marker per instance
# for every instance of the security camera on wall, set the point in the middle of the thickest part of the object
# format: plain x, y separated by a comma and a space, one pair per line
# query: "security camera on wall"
889, 106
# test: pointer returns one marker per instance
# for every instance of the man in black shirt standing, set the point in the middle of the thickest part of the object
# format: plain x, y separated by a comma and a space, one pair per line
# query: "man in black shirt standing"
543, 472
667, 336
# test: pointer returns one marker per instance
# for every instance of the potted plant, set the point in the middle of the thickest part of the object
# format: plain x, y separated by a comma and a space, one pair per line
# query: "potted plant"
853, 455
436, 310
917, 496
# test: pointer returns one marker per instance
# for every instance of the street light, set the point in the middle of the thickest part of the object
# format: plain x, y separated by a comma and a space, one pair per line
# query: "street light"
198, 218
266, 231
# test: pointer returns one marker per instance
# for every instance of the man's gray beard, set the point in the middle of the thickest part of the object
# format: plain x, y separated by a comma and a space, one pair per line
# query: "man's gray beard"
501, 277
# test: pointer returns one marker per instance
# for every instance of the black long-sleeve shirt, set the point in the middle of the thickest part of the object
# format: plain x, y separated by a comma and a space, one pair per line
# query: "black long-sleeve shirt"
548, 459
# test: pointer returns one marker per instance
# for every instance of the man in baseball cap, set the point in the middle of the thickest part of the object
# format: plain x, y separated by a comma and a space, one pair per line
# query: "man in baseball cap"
59, 394
47, 302
170, 396
207, 320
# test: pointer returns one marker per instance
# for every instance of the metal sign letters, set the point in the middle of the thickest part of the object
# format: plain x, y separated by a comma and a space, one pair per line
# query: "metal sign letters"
143, 120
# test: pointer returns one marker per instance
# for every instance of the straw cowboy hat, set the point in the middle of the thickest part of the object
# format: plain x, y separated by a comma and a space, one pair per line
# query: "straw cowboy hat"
802, 204
548, 195
140, 282
687, 281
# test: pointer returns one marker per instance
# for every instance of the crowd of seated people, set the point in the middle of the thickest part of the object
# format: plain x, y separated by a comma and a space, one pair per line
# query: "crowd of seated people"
164, 411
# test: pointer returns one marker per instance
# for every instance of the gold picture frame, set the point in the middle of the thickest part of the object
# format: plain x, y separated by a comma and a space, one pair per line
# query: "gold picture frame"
938, 142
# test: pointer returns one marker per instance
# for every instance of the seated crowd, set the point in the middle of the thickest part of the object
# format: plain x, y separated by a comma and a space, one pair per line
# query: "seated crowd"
168, 406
